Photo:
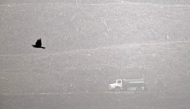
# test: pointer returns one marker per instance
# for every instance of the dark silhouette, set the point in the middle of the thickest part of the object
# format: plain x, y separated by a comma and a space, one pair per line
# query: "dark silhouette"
38, 44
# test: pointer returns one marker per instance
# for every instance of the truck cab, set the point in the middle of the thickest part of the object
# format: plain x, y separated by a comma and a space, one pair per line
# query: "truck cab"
117, 85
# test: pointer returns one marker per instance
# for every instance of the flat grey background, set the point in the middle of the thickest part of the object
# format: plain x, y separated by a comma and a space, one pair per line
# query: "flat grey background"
88, 45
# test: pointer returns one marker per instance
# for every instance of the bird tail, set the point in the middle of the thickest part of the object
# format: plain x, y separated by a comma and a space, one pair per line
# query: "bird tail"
43, 47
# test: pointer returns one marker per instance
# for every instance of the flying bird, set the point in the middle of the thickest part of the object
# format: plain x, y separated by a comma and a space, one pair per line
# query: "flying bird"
38, 44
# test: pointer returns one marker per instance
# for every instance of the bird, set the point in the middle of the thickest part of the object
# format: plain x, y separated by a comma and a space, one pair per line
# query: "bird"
38, 44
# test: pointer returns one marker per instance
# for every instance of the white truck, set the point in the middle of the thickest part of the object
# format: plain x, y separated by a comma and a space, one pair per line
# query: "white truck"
128, 84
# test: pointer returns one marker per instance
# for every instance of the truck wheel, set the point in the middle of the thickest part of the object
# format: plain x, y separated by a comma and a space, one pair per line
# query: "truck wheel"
117, 89
139, 89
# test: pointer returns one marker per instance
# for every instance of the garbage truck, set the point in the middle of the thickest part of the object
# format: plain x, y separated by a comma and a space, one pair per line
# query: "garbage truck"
128, 85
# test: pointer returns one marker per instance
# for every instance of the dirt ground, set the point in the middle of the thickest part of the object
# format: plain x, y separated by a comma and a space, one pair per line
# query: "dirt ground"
97, 100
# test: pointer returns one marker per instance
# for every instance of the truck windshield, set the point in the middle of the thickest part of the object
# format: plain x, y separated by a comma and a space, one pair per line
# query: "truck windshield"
119, 81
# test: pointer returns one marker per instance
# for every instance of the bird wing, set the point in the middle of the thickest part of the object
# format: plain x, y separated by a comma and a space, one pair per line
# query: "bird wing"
39, 43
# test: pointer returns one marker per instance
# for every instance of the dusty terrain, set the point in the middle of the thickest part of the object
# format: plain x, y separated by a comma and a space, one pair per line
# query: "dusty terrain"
97, 100
88, 45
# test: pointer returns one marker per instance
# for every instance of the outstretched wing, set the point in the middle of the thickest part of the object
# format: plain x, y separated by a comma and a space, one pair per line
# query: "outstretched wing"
39, 43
